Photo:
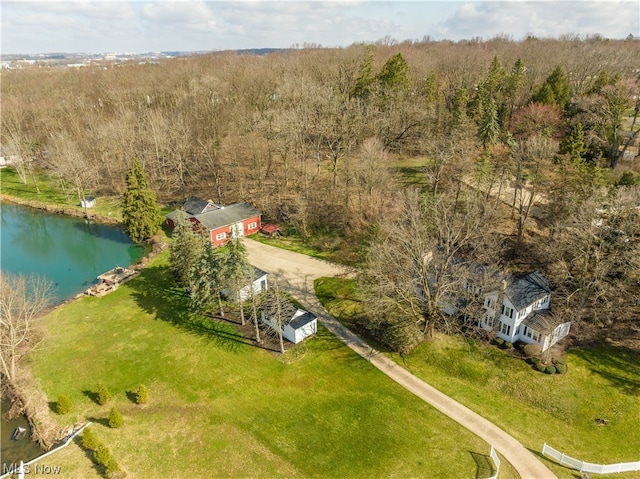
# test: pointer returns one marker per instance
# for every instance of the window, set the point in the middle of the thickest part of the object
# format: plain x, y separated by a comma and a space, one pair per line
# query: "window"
527, 332
251, 226
221, 236
507, 311
505, 328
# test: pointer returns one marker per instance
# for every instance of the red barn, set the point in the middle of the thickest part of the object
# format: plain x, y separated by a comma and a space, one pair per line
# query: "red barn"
222, 222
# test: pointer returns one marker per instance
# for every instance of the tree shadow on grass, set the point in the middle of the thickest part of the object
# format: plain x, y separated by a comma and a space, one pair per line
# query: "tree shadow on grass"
154, 291
618, 365
92, 395
103, 421
53, 407
132, 396
484, 465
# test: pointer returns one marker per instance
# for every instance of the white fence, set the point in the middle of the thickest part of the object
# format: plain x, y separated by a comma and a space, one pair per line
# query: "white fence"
496, 461
24, 466
587, 466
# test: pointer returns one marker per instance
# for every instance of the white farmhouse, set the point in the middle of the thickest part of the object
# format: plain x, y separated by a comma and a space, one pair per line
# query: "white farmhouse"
524, 312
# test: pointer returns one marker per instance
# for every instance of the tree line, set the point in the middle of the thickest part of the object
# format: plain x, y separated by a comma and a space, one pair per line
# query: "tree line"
528, 136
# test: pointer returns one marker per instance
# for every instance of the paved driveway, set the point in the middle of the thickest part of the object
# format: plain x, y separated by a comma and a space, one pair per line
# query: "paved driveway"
296, 272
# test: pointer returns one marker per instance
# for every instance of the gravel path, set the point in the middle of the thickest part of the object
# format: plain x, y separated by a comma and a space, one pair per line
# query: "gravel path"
296, 272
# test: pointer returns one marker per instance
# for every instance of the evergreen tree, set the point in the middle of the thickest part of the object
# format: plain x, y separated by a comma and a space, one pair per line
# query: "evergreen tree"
365, 79
206, 278
459, 107
237, 271
185, 249
573, 145
555, 90
140, 213
394, 75
490, 127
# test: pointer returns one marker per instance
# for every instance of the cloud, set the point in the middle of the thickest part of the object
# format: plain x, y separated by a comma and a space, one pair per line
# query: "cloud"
541, 18
90, 9
174, 12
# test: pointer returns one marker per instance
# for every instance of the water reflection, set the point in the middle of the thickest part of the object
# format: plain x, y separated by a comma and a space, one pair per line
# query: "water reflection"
69, 251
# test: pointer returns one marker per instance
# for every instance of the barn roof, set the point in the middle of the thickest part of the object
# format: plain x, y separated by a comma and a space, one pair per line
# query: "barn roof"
227, 215
195, 206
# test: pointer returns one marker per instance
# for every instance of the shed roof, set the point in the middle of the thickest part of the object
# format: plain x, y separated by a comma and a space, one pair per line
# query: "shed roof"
527, 289
258, 273
301, 318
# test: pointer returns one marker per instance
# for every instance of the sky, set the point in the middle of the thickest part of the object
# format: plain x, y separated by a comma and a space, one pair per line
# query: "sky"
110, 26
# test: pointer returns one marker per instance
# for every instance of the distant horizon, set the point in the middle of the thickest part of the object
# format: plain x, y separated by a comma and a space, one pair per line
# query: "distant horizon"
97, 27
563, 37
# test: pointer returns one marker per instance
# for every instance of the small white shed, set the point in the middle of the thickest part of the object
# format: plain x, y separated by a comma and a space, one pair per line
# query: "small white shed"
297, 328
88, 202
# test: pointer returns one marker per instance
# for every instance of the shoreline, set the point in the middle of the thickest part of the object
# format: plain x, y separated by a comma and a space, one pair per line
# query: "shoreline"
18, 394
60, 210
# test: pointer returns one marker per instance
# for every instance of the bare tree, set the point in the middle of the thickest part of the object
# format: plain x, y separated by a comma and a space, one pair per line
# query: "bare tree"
424, 261
277, 310
22, 299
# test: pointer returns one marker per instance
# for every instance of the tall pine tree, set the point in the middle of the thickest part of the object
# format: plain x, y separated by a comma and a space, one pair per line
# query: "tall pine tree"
185, 250
140, 213
238, 271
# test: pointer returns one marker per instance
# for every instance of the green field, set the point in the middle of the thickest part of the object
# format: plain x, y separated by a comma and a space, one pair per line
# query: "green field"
601, 382
220, 407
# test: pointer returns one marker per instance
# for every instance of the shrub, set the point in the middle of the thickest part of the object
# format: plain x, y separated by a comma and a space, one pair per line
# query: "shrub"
520, 345
507, 345
532, 350
64, 404
551, 369
115, 418
89, 440
539, 366
561, 368
102, 455
499, 342
142, 395
112, 468
103, 394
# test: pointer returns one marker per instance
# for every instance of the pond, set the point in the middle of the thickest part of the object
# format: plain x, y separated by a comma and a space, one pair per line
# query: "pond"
71, 252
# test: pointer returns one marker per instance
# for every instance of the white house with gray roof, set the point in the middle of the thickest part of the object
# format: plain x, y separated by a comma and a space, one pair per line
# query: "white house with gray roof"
524, 312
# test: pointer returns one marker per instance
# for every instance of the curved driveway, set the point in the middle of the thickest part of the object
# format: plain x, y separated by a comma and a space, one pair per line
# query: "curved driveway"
296, 273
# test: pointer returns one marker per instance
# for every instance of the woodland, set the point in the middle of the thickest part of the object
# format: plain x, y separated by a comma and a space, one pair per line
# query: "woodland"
517, 155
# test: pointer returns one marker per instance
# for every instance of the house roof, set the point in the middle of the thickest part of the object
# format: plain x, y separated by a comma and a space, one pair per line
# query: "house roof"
542, 321
195, 206
301, 318
527, 289
227, 215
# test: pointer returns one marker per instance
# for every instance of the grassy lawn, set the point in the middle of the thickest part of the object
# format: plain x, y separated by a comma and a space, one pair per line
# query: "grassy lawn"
51, 193
220, 407
602, 382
